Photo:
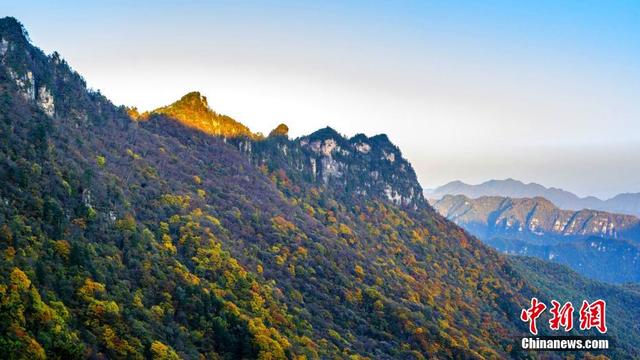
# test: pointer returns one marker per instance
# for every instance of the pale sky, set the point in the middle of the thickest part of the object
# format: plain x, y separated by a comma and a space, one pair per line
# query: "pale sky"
547, 91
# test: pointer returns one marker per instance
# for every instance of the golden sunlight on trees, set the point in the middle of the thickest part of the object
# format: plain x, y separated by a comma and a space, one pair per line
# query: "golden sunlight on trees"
160, 351
101, 161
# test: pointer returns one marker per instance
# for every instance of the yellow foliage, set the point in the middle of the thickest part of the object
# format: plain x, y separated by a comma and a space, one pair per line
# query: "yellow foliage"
160, 351
90, 288
137, 299
302, 251
168, 243
34, 350
101, 161
309, 209
282, 225
202, 193
117, 345
19, 279
63, 248
292, 270
197, 212
359, 270
186, 275
127, 223
157, 311
345, 230
101, 308
10, 253
133, 154
213, 220
232, 308
181, 201
334, 334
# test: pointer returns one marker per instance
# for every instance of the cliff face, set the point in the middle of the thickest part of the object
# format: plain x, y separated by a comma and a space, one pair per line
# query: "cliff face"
597, 244
360, 166
534, 218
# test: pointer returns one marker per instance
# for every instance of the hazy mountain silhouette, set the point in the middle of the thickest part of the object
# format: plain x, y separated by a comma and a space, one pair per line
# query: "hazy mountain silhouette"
622, 203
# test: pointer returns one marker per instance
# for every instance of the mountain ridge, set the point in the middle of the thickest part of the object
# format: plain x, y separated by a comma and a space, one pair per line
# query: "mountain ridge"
192, 110
627, 203
536, 216
598, 244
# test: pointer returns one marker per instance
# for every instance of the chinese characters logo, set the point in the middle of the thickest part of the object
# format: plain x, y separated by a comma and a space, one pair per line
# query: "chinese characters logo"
592, 315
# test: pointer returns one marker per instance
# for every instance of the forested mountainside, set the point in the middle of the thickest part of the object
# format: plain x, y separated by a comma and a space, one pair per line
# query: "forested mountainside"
130, 237
613, 261
597, 244
628, 203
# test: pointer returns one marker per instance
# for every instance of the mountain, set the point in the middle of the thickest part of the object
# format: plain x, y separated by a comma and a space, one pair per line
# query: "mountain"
598, 244
128, 236
534, 219
192, 110
280, 130
594, 257
623, 203
627, 203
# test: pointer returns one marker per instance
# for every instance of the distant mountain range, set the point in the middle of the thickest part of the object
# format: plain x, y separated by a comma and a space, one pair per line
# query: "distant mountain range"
598, 244
535, 219
627, 203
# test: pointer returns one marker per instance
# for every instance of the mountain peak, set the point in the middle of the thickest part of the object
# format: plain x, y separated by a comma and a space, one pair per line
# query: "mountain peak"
192, 103
455, 182
192, 110
12, 30
280, 130
326, 133
381, 137
194, 99
507, 181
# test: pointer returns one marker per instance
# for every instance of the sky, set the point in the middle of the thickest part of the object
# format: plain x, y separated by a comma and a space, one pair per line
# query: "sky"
541, 91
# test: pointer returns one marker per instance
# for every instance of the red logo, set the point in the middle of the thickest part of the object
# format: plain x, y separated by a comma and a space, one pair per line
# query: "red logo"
592, 315
561, 316
531, 314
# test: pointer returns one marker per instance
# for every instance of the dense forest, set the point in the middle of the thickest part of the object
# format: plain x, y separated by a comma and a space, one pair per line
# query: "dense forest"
129, 236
